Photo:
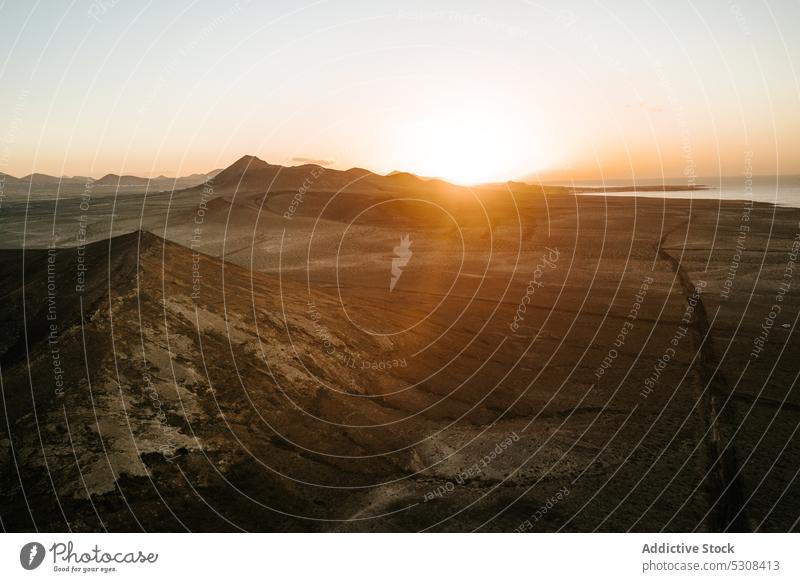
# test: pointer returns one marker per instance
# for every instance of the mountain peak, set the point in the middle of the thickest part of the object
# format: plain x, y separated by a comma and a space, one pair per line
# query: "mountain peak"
249, 162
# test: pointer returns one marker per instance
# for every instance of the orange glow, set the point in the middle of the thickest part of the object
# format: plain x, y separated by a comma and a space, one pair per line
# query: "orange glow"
469, 145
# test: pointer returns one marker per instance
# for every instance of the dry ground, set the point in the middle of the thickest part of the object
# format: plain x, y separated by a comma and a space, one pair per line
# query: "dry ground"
287, 388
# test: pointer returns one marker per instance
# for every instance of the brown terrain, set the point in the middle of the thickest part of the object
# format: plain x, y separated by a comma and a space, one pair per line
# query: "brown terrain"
233, 356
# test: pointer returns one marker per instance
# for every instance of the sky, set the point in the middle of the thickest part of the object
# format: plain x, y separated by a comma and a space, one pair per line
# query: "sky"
465, 90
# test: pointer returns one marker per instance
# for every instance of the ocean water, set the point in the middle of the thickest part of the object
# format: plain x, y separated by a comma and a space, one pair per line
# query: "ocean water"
781, 190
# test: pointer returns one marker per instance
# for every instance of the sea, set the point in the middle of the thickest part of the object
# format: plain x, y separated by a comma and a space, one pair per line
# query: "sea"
783, 190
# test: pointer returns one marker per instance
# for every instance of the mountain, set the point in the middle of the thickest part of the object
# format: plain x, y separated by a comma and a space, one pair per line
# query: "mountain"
159, 183
121, 181
173, 391
249, 175
42, 179
139, 417
71, 185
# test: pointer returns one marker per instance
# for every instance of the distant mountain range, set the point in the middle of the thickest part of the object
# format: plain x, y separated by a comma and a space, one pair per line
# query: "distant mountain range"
125, 182
252, 175
248, 174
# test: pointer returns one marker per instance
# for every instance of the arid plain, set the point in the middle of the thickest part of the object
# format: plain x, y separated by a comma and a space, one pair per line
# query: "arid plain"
305, 349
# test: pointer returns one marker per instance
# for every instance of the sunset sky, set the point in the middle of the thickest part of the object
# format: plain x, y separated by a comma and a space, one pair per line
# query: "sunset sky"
469, 91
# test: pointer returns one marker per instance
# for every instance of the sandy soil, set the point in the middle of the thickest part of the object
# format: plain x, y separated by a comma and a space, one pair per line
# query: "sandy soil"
543, 362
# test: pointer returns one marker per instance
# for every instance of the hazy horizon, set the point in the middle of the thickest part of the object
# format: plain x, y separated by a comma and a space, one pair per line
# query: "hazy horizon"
617, 180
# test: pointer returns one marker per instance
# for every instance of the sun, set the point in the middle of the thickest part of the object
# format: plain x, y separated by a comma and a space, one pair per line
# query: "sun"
468, 147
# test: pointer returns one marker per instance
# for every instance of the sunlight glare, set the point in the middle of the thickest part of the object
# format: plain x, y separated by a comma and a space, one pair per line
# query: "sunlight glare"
469, 147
